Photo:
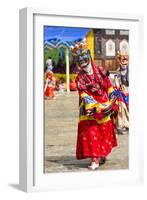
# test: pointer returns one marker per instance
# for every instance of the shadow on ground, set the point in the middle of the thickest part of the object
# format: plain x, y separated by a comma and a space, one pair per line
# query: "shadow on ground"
69, 162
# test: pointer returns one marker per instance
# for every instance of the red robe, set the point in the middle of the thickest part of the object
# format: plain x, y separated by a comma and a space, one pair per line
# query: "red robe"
96, 136
50, 89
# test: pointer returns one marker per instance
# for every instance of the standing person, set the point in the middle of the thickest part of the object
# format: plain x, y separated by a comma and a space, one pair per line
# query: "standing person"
122, 86
49, 65
50, 84
61, 86
96, 134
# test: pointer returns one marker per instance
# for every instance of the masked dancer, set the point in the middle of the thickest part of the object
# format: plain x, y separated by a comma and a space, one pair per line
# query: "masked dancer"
122, 88
97, 102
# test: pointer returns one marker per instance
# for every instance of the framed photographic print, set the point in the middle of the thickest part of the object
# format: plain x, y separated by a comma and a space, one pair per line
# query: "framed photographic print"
79, 123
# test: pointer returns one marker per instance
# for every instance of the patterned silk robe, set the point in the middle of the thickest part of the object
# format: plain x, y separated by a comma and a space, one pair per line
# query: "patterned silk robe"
122, 85
96, 132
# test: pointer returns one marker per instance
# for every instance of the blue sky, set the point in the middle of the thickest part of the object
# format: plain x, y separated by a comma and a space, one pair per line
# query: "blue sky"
64, 33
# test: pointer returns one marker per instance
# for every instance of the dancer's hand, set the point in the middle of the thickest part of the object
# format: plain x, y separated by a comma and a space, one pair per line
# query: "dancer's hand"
90, 112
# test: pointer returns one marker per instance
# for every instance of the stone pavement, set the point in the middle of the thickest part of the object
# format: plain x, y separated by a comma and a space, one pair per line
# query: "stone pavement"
61, 119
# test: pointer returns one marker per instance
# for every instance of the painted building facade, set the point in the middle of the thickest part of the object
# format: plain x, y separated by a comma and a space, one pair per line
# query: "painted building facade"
105, 44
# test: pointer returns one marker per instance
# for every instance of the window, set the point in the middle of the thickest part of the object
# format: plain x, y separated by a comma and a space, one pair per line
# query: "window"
109, 32
110, 48
124, 32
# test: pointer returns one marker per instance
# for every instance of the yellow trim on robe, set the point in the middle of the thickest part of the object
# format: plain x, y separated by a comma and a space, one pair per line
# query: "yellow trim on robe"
110, 90
84, 95
97, 105
106, 119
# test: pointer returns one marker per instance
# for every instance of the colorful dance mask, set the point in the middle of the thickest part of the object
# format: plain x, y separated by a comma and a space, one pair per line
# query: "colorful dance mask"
81, 54
123, 58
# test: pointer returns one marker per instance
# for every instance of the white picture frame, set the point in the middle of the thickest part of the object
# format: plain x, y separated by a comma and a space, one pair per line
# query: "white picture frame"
31, 176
